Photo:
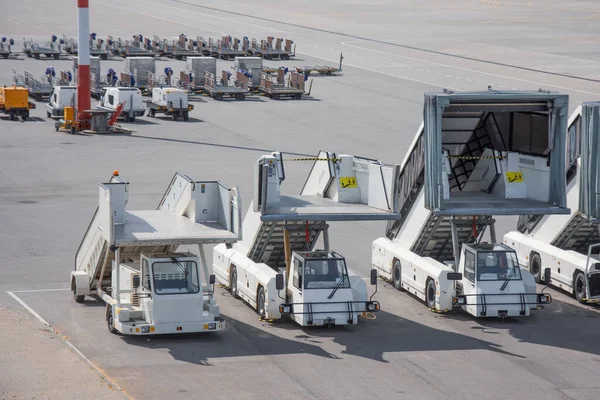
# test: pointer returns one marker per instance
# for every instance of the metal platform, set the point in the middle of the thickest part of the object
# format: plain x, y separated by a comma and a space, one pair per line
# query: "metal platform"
470, 203
155, 227
316, 208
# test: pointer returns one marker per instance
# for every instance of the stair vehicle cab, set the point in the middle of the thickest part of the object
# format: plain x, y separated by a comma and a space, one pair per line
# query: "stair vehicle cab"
133, 107
476, 155
279, 268
61, 97
130, 259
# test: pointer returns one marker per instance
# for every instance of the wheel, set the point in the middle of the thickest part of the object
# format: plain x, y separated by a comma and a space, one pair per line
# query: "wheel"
48, 114
275, 97
132, 118
260, 303
78, 299
125, 117
241, 96
56, 56
104, 56
430, 293
535, 267
219, 96
174, 117
25, 115
233, 284
298, 96
152, 113
37, 56
186, 116
110, 321
398, 275
11, 115
73, 130
5, 56
579, 287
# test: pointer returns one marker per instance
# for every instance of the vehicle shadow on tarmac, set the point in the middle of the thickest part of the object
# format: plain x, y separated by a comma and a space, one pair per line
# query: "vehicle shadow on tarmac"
238, 340
560, 324
390, 333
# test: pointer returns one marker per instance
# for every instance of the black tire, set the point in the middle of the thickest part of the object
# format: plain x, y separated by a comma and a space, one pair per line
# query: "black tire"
174, 116
397, 275
37, 56
125, 117
298, 96
233, 284
5, 56
25, 115
579, 287
104, 56
430, 293
132, 118
219, 96
151, 113
56, 56
535, 267
11, 115
275, 97
48, 114
78, 299
186, 116
260, 302
110, 322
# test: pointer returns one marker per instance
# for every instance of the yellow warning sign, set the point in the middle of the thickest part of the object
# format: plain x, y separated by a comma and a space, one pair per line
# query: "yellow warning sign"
347, 182
514, 177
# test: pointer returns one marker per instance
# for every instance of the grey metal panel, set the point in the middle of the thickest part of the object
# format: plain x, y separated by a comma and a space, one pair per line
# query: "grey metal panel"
315, 208
589, 177
469, 203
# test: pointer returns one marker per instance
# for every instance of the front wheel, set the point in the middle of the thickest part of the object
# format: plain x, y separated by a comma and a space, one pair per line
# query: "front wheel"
579, 287
260, 303
430, 293
186, 116
77, 298
110, 321
397, 275
233, 284
536, 268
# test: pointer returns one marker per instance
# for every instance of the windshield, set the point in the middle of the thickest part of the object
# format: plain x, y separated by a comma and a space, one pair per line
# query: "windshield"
175, 277
497, 266
325, 274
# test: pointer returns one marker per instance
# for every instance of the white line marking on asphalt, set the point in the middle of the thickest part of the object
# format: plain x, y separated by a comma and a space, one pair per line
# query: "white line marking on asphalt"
38, 290
43, 321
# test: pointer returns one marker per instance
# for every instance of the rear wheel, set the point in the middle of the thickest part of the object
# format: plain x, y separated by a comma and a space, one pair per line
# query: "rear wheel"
11, 115
536, 268
110, 320
186, 116
48, 114
579, 287
132, 118
430, 293
233, 284
260, 303
77, 298
125, 117
174, 116
397, 275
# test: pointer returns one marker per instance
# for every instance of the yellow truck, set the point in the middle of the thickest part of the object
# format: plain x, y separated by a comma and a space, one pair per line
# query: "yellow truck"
14, 101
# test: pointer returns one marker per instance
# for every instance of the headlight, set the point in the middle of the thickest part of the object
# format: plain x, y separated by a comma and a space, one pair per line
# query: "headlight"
544, 298
459, 300
372, 306
285, 309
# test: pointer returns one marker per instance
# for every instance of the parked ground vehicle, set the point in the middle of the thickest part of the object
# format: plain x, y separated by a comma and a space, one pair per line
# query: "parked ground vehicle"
277, 268
111, 97
61, 97
568, 245
169, 101
130, 259
14, 101
477, 155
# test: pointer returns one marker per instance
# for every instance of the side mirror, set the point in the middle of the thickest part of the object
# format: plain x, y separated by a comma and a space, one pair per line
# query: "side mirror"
373, 276
454, 276
548, 274
211, 279
279, 282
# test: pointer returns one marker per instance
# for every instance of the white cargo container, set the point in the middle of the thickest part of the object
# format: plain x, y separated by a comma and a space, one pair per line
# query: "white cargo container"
169, 101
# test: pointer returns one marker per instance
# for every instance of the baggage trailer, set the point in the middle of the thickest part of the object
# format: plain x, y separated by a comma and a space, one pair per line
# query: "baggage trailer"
221, 88
39, 89
6, 47
130, 259
476, 155
269, 51
14, 102
568, 245
169, 101
277, 267
50, 49
138, 47
178, 49
321, 69
276, 87
98, 46
227, 48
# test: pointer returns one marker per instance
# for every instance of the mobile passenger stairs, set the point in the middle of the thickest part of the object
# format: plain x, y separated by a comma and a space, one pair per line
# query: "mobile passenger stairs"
569, 245
474, 157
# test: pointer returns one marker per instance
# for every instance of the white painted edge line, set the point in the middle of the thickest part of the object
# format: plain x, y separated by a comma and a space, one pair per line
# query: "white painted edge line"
38, 290
75, 349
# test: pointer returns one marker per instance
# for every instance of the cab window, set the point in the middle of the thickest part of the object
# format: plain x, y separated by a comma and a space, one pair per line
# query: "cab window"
145, 275
470, 266
297, 280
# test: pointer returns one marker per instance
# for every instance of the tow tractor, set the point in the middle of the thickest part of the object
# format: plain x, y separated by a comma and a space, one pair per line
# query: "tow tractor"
568, 245
130, 259
277, 269
476, 155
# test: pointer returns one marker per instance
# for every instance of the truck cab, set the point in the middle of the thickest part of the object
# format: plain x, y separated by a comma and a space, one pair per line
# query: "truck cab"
134, 105
493, 283
61, 97
320, 290
161, 294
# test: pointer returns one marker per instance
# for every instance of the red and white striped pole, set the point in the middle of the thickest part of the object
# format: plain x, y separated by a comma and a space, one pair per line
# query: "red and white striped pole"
83, 54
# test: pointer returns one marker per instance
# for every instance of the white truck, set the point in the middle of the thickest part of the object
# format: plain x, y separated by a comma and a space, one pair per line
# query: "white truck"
476, 155
130, 260
562, 250
134, 106
60, 97
169, 101
276, 267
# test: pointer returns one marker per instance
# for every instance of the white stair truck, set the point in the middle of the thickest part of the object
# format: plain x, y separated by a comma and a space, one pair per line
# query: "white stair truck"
476, 155
276, 268
130, 260
111, 97
169, 101
562, 250
61, 97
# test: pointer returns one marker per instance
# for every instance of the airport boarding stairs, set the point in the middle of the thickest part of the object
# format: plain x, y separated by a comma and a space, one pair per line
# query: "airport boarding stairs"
189, 213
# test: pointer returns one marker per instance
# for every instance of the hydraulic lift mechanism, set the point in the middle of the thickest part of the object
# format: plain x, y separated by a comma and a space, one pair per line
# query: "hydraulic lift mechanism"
277, 268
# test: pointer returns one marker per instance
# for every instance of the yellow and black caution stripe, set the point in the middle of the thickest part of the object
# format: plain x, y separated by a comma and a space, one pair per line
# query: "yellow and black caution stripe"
475, 158
312, 159
435, 310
